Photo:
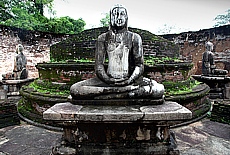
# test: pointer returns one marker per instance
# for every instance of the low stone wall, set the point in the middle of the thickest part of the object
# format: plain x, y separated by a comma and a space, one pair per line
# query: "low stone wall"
73, 72
220, 111
8, 113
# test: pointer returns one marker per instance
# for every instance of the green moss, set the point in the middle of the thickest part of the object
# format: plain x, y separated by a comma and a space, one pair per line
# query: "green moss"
151, 60
176, 88
49, 88
148, 60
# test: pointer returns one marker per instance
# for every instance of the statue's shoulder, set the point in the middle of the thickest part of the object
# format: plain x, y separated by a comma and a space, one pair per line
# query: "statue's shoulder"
135, 36
102, 37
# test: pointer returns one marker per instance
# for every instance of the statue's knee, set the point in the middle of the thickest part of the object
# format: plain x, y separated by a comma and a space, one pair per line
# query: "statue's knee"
73, 89
157, 90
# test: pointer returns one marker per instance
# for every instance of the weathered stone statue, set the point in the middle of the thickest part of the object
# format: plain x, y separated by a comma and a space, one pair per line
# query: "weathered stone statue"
122, 78
208, 64
216, 79
135, 128
20, 62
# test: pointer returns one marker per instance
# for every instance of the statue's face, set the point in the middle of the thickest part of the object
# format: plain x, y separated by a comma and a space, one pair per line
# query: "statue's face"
118, 16
209, 46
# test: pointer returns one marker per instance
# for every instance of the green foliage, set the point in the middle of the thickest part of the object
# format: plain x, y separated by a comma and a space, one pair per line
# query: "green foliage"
223, 19
148, 60
176, 88
104, 22
65, 25
29, 15
83, 60
49, 88
151, 60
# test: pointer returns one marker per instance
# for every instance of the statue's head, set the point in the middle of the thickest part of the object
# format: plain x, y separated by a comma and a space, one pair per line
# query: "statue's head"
19, 48
118, 17
209, 46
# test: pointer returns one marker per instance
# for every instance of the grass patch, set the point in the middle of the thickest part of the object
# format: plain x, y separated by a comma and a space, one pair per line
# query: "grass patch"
49, 88
177, 88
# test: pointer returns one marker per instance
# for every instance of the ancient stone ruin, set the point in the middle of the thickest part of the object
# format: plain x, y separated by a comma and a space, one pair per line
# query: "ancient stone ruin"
116, 102
219, 83
216, 79
119, 110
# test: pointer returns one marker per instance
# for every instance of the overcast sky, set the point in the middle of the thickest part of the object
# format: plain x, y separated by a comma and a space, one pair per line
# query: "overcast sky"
151, 15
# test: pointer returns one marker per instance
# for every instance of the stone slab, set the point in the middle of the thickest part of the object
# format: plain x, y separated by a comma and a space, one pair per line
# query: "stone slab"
27, 140
169, 111
14, 82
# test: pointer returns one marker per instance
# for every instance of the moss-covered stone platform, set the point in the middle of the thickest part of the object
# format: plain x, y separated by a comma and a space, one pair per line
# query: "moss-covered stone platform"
35, 101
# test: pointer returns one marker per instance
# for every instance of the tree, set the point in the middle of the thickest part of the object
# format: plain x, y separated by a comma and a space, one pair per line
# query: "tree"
29, 14
104, 22
66, 25
223, 19
34, 7
4, 11
23, 13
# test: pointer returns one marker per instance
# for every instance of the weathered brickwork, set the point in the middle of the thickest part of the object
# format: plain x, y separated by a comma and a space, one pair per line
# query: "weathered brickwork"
36, 48
192, 46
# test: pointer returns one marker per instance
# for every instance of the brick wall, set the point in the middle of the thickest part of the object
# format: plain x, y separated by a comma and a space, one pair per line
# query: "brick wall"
36, 48
192, 46
83, 45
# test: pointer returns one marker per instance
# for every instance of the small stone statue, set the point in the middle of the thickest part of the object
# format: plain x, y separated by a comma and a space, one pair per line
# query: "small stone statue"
20, 62
208, 64
122, 78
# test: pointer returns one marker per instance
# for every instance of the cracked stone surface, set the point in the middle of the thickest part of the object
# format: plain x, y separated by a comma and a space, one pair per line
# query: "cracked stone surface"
167, 111
200, 138
27, 140
203, 138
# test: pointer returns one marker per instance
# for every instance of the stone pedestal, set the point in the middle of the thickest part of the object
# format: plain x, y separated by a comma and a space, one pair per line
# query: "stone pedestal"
227, 91
219, 85
92, 129
13, 86
3, 95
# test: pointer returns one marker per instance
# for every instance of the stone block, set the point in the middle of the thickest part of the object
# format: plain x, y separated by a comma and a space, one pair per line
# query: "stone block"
227, 91
117, 129
169, 111
3, 94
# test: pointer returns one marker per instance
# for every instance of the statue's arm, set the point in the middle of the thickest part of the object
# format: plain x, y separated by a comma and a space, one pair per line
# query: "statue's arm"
99, 61
211, 57
138, 57
212, 62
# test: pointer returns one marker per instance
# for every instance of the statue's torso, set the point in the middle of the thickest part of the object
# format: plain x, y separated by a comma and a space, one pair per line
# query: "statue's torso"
21, 61
118, 61
118, 51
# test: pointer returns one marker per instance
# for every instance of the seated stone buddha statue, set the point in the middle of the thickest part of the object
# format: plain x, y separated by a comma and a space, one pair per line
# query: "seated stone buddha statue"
122, 76
208, 62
